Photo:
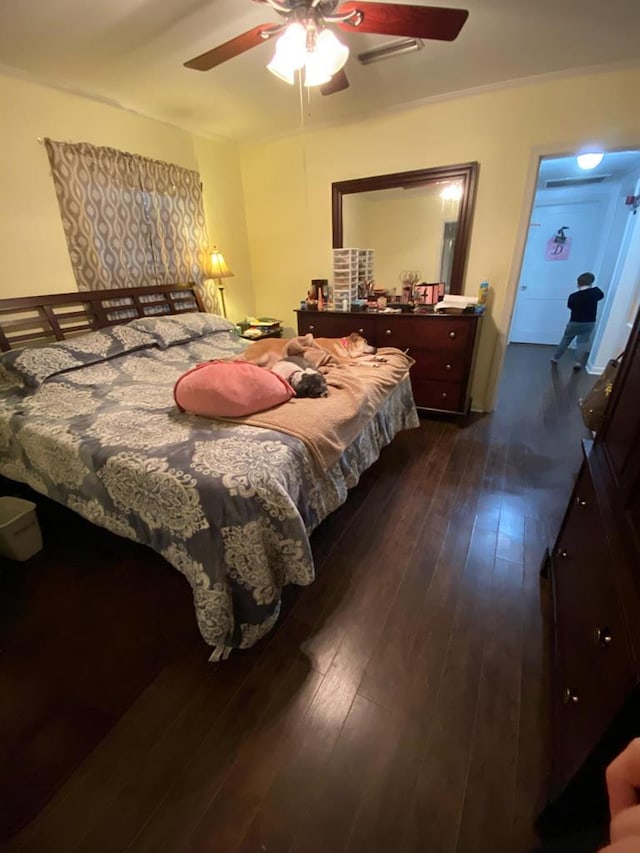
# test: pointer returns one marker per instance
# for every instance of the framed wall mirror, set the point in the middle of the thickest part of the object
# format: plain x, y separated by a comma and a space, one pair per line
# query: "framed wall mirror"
418, 221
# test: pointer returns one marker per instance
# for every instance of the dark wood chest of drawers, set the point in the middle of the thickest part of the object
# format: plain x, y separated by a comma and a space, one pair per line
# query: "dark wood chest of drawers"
443, 348
595, 574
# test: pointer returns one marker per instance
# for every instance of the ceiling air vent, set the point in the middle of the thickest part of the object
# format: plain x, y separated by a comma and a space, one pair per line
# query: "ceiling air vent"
389, 50
554, 183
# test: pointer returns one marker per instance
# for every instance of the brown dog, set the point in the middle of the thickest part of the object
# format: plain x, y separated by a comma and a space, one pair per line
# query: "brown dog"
318, 352
352, 346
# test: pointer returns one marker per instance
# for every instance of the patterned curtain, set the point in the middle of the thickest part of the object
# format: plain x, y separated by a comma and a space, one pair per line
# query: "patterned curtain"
129, 221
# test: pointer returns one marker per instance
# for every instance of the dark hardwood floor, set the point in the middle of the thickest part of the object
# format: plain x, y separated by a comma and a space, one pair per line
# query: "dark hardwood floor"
400, 704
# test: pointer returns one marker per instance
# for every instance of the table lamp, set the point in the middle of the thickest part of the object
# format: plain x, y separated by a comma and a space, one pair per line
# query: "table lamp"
218, 270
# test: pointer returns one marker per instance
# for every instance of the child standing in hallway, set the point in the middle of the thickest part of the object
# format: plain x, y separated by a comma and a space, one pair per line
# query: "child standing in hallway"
583, 304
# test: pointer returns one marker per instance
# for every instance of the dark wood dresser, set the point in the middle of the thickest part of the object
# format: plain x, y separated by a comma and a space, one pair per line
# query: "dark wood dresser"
595, 575
443, 347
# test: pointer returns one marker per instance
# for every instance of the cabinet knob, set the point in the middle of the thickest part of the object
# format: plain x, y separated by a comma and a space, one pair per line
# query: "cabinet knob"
444, 394
361, 331
447, 367
569, 696
388, 332
311, 328
562, 552
581, 501
603, 637
452, 334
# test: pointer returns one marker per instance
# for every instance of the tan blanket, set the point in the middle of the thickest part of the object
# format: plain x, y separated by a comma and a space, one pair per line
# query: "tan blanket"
328, 425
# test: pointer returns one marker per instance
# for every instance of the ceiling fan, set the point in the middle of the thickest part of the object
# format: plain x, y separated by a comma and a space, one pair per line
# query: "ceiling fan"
307, 40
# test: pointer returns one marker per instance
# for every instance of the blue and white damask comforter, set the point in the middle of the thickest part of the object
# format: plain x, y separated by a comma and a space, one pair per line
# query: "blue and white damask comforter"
91, 423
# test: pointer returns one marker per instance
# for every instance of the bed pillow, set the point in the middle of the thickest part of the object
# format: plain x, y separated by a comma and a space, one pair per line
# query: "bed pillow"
230, 389
181, 328
34, 365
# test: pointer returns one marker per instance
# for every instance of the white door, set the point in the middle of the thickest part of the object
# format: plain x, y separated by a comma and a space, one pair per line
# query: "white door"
545, 282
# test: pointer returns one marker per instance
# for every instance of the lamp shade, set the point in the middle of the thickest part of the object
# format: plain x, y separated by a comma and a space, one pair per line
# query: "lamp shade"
334, 53
290, 54
315, 71
217, 265
328, 57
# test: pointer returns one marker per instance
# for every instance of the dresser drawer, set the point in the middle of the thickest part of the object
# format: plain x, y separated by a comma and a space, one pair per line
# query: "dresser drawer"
592, 680
593, 663
451, 334
434, 364
445, 396
330, 325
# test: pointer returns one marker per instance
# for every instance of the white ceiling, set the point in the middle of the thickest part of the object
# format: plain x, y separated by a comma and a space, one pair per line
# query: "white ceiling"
131, 52
615, 166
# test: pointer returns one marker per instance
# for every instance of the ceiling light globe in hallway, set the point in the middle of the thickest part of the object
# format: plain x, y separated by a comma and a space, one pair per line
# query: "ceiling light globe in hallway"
589, 160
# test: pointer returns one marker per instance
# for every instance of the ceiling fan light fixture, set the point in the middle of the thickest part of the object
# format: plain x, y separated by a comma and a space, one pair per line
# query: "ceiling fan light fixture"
327, 56
290, 53
321, 54
334, 53
316, 72
281, 70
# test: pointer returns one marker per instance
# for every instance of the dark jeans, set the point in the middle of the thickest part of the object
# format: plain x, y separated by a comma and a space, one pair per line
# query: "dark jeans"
583, 332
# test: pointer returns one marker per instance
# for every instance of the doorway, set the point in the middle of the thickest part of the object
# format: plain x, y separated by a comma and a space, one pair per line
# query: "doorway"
581, 221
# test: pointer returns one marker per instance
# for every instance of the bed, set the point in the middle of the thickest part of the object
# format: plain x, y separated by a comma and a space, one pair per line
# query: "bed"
87, 417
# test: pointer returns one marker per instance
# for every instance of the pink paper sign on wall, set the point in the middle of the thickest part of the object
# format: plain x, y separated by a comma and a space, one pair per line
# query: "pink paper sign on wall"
557, 251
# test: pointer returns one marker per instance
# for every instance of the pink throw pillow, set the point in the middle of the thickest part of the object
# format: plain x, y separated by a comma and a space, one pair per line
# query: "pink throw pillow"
230, 389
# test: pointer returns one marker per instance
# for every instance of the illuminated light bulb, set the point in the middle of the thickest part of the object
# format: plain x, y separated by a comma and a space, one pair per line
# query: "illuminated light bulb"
335, 53
328, 56
315, 71
590, 160
290, 54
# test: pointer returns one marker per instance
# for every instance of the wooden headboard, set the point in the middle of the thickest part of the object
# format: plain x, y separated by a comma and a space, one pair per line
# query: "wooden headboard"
38, 319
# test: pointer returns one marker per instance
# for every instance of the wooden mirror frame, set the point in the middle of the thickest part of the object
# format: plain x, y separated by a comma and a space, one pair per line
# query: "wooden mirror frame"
466, 173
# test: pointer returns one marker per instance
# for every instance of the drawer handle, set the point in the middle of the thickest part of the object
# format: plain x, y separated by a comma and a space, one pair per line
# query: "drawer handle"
452, 334
603, 637
311, 328
388, 332
581, 501
569, 696
562, 552
447, 367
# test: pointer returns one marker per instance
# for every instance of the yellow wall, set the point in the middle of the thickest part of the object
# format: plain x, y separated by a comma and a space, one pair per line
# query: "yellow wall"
285, 191
32, 243
287, 183
219, 168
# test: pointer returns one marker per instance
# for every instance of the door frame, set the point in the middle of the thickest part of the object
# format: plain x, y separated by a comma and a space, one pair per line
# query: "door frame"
515, 268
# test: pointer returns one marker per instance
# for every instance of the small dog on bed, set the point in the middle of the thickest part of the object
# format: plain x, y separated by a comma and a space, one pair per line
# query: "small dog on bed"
306, 381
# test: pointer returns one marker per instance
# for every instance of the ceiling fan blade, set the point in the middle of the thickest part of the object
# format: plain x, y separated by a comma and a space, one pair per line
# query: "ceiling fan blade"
237, 45
338, 83
400, 19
